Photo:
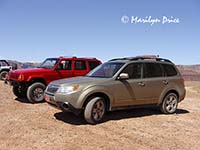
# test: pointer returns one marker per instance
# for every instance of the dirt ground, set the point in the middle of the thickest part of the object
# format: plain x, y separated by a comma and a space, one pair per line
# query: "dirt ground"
39, 126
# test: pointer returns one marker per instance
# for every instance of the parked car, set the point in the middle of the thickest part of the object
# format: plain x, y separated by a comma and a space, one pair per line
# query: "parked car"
120, 83
5, 67
31, 83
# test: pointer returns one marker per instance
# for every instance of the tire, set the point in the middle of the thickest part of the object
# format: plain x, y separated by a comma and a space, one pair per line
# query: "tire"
35, 92
95, 110
19, 92
169, 104
3, 75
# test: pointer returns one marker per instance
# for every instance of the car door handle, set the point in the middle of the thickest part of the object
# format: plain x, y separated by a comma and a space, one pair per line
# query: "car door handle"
165, 82
141, 83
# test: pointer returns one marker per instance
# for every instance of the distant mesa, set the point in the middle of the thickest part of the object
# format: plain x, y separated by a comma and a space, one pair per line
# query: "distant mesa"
23, 65
189, 72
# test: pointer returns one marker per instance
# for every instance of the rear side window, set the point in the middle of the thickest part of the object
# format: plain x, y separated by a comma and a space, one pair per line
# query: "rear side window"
80, 65
133, 70
152, 70
93, 64
169, 70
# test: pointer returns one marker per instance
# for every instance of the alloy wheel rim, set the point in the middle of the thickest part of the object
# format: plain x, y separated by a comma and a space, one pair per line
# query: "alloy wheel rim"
171, 103
98, 110
38, 94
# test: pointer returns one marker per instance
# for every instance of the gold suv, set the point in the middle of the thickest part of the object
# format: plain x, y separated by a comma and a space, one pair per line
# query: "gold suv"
120, 83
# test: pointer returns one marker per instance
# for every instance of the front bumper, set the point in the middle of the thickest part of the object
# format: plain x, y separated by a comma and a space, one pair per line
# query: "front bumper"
13, 82
64, 106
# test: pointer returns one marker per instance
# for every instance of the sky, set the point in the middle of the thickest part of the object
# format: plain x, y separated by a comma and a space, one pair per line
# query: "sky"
32, 30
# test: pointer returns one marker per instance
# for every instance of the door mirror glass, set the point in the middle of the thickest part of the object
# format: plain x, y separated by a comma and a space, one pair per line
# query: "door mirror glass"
123, 76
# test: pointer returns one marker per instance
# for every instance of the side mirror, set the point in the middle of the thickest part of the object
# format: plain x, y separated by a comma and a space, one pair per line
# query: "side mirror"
123, 76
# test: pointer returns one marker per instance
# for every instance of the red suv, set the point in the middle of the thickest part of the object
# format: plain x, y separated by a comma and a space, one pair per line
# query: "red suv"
31, 83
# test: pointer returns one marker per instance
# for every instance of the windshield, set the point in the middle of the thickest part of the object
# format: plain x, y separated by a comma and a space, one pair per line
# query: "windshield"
49, 63
106, 70
3, 63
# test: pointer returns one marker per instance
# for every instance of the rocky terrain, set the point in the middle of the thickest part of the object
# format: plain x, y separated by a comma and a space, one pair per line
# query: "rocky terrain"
39, 126
190, 72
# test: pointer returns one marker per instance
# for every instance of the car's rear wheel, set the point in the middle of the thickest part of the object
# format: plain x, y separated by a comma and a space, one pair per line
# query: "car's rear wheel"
95, 110
3, 75
35, 92
19, 92
169, 104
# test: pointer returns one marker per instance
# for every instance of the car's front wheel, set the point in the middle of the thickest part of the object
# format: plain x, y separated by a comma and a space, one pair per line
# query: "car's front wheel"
35, 92
169, 104
19, 91
95, 110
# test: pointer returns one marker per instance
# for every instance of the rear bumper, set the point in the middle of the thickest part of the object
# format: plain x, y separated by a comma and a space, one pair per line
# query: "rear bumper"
182, 96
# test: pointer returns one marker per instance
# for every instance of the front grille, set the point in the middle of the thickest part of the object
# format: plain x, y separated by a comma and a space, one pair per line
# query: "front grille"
52, 88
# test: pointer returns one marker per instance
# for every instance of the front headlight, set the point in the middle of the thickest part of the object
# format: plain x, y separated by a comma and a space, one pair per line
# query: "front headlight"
67, 89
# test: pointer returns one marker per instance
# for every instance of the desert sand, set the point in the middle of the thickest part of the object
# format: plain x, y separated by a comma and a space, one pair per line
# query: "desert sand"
39, 126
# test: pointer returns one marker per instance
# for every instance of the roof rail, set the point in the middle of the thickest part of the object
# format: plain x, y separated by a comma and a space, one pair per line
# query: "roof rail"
90, 57
149, 56
152, 58
145, 57
125, 58
78, 57
67, 56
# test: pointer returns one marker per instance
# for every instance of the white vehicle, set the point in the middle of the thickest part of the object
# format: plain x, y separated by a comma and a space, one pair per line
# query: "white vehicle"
5, 67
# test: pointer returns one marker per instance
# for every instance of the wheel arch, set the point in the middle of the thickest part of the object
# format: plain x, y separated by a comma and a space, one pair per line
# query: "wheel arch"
166, 93
34, 80
4, 70
98, 94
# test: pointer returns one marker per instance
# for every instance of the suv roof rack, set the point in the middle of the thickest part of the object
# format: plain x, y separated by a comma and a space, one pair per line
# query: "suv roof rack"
90, 57
67, 57
144, 57
77, 57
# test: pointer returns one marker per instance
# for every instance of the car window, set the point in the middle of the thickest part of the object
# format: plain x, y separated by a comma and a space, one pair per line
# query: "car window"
65, 65
49, 63
93, 64
3, 63
106, 70
169, 70
133, 70
80, 65
152, 70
